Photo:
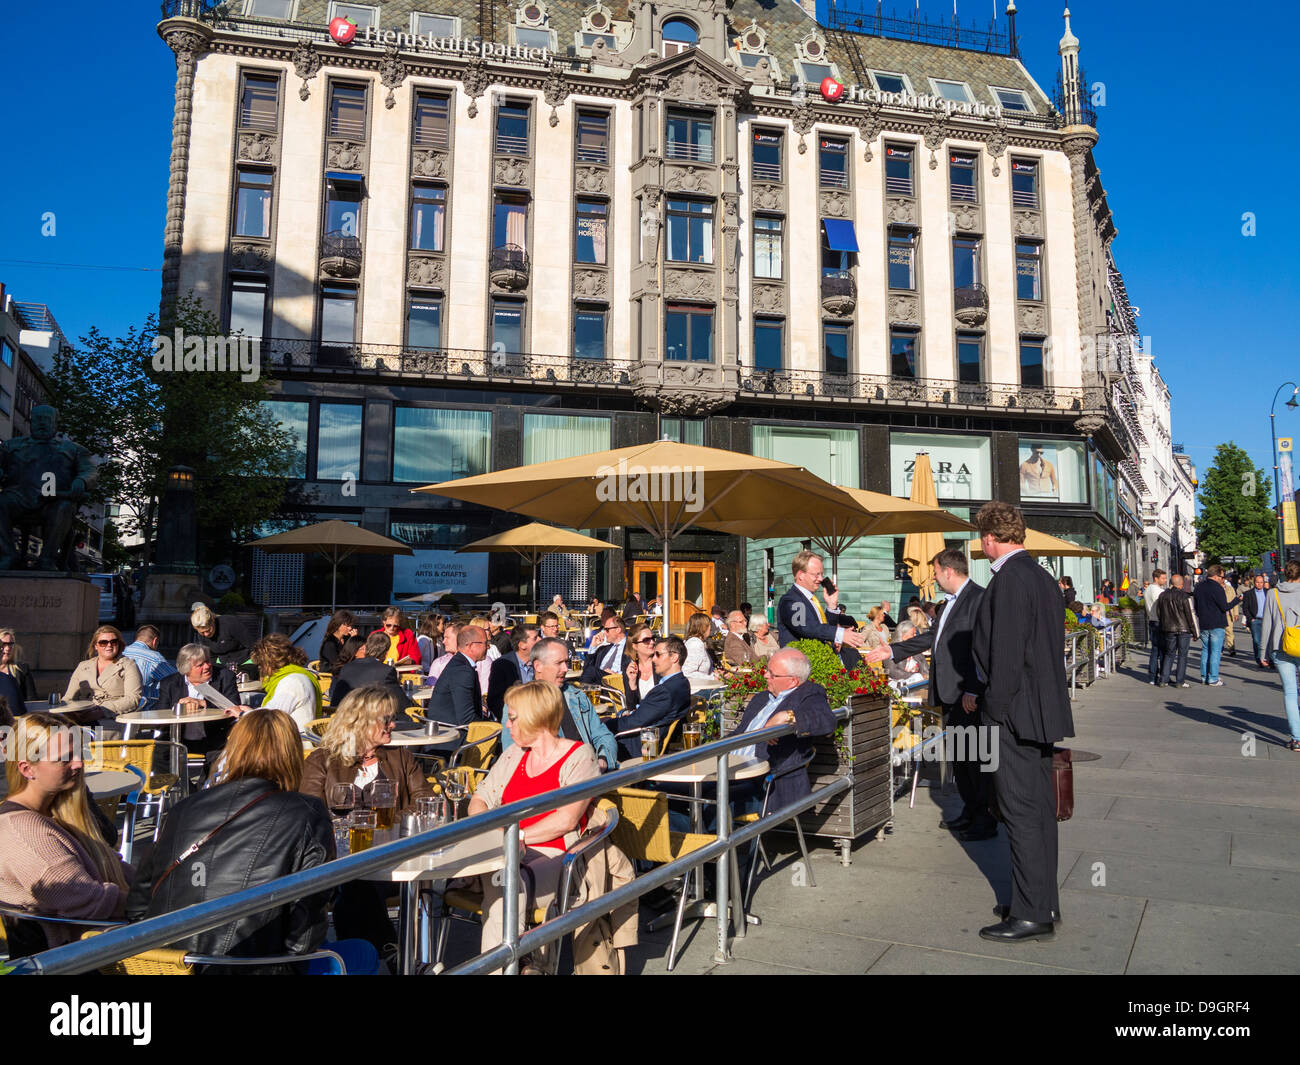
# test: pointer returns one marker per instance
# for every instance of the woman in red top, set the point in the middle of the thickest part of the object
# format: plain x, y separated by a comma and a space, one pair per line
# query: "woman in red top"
538, 761
406, 650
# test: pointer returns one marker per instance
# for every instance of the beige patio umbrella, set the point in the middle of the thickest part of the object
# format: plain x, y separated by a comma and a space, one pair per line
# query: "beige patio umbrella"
334, 539
1041, 543
920, 547
835, 533
533, 542
663, 487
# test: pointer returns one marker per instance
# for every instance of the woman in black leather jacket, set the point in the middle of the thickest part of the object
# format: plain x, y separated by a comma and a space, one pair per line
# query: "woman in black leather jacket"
264, 829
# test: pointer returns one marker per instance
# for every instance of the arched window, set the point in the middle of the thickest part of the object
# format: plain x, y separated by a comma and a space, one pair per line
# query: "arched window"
678, 36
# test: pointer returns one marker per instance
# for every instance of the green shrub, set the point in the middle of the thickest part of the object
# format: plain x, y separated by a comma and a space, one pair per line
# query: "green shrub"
232, 600
1127, 602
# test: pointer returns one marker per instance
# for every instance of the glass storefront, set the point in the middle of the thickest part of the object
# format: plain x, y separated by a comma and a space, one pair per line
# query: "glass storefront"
961, 465
1053, 470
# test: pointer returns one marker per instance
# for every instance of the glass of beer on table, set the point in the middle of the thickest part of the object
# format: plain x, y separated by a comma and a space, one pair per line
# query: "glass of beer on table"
383, 800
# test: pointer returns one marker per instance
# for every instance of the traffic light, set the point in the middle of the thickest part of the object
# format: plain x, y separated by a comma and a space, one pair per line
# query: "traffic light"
1155, 554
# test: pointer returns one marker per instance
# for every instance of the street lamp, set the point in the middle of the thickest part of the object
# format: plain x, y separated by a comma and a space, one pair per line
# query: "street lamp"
1277, 487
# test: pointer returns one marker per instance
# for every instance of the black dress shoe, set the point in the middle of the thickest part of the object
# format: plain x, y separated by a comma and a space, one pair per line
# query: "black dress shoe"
1015, 931
1004, 912
979, 830
958, 823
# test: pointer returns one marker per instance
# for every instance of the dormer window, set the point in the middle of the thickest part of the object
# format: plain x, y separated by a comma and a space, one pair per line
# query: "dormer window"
887, 82
1013, 100
679, 36
956, 91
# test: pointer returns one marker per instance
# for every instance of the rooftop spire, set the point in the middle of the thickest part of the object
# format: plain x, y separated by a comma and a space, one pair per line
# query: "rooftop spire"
1069, 42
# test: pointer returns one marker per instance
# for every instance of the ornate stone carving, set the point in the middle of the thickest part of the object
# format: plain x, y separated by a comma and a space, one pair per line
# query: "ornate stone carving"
802, 118
966, 219
869, 127
392, 72
769, 299
935, 133
899, 211
649, 233
1027, 223
421, 270
430, 162
591, 179
689, 179
187, 44
556, 91
688, 284
650, 196
835, 204
904, 309
591, 284
1030, 319
1090, 424
510, 171
344, 155
306, 64
683, 388
692, 85
257, 147
997, 144
730, 210
253, 257
768, 197
476, 79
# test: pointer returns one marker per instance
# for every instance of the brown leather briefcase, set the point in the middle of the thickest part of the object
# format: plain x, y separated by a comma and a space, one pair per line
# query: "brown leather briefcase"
1063, 780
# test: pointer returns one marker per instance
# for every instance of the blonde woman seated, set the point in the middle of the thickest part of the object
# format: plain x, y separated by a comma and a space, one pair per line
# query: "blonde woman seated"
106, 676
918, 617
536, 762
765, 642
698, 663
876, 623
53, 860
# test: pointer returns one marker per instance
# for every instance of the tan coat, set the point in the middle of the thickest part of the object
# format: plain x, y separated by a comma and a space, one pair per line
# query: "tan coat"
118, 689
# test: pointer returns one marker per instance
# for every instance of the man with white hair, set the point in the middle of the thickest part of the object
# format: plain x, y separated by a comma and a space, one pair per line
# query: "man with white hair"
736, 648
192, 686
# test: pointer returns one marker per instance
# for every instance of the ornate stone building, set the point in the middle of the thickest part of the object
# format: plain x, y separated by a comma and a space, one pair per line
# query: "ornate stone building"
474, 235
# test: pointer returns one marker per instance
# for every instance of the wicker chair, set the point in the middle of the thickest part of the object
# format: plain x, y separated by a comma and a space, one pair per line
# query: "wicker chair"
156, 789
167, 961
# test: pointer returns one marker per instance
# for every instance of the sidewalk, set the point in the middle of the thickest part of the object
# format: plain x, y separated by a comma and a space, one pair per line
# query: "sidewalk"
1183, 856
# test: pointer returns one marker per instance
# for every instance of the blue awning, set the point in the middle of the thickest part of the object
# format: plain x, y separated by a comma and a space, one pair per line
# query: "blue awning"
339, 175
839, 234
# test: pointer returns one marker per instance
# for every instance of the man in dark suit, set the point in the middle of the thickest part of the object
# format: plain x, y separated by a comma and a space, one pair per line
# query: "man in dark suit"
663, 704
1253, 601
799, 616
194, 671
509, 670
368, 670
954, 684
632, 608
1020, 649
457, 698
611, 655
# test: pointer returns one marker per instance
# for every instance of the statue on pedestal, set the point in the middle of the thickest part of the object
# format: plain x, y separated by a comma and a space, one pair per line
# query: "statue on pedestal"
42, 483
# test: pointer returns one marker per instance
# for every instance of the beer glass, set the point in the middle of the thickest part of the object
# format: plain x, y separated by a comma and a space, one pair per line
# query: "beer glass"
383, 800
361, 830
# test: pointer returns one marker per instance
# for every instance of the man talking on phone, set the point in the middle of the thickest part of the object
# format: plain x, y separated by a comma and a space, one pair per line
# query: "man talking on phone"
800, 616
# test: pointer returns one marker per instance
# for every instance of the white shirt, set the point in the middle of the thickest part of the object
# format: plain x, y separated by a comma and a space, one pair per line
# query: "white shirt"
1151, 594
997, 563
366, 775
761, 719
611, 657
698, 663
839, 632
296, 697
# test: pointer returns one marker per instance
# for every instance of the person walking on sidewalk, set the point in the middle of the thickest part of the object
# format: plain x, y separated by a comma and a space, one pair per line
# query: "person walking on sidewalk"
1212, 608
1150, 596
1253, 602
1230, 632
1177, 627
1282, 612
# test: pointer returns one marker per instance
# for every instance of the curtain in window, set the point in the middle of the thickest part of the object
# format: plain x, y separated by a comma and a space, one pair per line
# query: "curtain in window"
832, 454
338, 443
561, 436
438, 445
517, 225
292, 416
598, 237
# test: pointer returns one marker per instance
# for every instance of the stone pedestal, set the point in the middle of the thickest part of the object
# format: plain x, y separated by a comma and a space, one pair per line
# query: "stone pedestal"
53, 616
167, 601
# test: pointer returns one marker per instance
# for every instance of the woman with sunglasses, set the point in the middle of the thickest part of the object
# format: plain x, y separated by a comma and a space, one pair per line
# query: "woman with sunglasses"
107, 676
11, 663
642, 641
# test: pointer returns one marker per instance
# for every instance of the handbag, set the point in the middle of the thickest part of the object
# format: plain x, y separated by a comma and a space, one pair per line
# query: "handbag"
1290, 633
1063, 782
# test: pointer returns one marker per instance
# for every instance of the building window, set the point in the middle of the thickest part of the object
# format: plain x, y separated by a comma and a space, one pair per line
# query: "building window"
512, 128
508, 326
253, 202
259, 102
292, 416
338, 315
750, 61
970, 358
338, 441
965, 262
815, 73
769, 343
690, 231
898, 170
963, 179
269, 8
690, 136
510, 220
887, 82
767, 156
902, 352
1029, 270
533, 37
831, 454
434, 25
1013, 100
342, 205
839, 247
247, 306
424, 322
678, 36
688, 333
1024, 183
767, 247
431, 121
361, 14
428, 216
683, 430
835, 348
1031, 362
432, 445
591, 218
902, 258
833, 163
589, 332
348, 111
956, 91
6, 353
593, 137
588, 40
548, 437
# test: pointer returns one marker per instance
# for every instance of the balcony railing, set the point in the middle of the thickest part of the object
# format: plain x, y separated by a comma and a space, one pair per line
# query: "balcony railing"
430, 137
508, 144
767, 171
839, 292
964, 194
592, 153
897, 186
340, 255
348, 126
1021, 198
508, 267
199, 9
833, 179
970, 304
700, 153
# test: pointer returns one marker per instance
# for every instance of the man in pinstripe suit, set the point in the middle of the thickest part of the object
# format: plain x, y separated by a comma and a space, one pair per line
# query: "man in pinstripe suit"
1020, 649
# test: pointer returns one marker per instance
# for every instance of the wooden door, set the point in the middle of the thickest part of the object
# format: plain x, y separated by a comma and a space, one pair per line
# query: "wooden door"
692, 585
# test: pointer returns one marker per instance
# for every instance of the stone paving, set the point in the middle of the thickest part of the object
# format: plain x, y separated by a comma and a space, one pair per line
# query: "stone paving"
1183, 856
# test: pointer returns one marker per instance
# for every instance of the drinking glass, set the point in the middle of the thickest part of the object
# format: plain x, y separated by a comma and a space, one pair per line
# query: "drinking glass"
455, 791
383, 800
649, 743
361, 830
692, 735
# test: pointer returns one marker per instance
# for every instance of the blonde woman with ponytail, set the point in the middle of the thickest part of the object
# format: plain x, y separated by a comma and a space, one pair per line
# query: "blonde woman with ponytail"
53, 861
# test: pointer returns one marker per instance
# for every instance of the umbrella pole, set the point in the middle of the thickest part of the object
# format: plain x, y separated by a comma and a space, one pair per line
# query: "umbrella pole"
664, 597
334, 587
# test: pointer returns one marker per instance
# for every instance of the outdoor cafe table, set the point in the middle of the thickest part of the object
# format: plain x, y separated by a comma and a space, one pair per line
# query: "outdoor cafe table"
246, 686
110, 783
69, 707
475, 856
167, 719
417, 737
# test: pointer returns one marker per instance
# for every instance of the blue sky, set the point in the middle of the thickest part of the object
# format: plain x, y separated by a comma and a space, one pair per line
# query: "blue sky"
1192, 137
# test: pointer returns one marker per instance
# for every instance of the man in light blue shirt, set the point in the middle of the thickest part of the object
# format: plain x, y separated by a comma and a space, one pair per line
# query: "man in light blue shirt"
152, 665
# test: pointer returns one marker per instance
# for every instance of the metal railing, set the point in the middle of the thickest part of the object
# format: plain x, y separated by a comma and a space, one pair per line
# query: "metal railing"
767, 171
700, 153
339, 245
969, 297
896, 186
833, 179
838, 284
430, 137
592, 153
509, 144
128, 940
964, 194
198, 9
1020, 198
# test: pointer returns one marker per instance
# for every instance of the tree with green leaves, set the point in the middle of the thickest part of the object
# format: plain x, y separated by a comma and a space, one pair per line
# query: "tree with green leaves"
141, 415
1236, 510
